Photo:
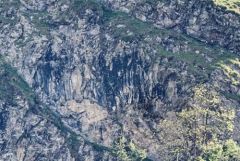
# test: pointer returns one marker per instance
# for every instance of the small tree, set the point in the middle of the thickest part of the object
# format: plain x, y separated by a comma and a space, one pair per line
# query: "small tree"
128, 151
170, 133
207, 123
215, 151
231, 151
212, 152
120, 149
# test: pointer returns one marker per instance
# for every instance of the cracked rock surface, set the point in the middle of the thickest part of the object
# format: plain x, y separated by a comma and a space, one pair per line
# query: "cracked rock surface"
74, 72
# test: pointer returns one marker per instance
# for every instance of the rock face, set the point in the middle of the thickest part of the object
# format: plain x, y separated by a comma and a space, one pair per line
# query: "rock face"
199, 19
101, 65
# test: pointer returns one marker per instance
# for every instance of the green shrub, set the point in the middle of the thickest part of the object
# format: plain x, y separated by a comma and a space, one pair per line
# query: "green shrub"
128, 151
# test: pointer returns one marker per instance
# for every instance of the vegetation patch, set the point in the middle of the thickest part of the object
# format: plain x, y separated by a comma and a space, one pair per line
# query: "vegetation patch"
129, 28
128, 151
232, 5
232, 96
231, 69
11, 80
205, 128
5, 18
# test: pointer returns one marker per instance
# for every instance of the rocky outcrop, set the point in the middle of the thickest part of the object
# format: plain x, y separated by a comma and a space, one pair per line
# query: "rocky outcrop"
199, 19
100, 73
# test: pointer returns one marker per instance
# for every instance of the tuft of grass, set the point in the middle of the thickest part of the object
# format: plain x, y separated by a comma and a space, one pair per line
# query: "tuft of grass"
231, 69
231, 5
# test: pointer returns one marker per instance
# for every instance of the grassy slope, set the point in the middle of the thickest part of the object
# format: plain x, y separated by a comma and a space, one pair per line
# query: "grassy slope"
232, 5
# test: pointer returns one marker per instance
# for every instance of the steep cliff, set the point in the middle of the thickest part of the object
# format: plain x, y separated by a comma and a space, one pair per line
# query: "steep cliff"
88, 72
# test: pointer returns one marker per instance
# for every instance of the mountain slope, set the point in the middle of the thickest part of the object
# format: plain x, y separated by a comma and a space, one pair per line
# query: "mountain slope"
96, 71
